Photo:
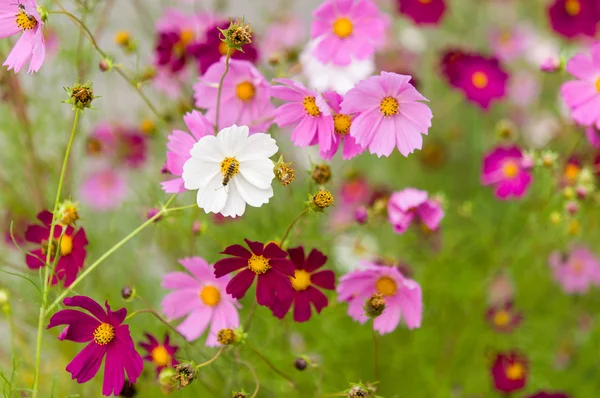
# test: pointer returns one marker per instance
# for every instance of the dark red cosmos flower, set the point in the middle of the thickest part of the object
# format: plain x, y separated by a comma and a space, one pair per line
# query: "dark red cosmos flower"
509, 372
269, 264
504, 318
544, 394
303, 291
571, 18
212, 49
106, 337
422, 11
160, 354
173, 50
72, 248
451, 62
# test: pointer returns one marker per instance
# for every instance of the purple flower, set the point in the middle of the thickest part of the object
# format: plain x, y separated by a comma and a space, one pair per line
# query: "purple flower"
22, 16
406, 205
106, 337
503, 168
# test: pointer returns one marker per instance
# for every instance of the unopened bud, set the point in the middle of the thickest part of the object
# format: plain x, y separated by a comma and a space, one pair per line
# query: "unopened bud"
239, 394
81, 96
361, 215
572, 207
284, 172
375, 305
185, 373
321, 200
551, 64
321, 174
582, 192
127, 292
506, 130
555, 217
300, 363
237, 34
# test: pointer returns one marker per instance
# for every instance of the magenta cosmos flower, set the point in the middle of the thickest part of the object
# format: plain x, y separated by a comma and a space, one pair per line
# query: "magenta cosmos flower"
270, 266
389, 114
179, 146
571, 18
22, 16
347, 30
403, 297
422, 12
106, 337
309, 111
509, 372
119, 144
302, 290
582, 96
245, 96
162, 355
72, 248
504, 318
577, 271
342, 124
409, 204
201, 297
503, 168
593, 136
104, 189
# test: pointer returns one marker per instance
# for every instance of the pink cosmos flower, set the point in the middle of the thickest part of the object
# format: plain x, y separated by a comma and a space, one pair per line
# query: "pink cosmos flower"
342, 124
22, 16
509, 44
593, 136
106, 337
202, 298
347, 29
422, 12
582, 96
283, 36
571, 18
119, 144
309, 110
577, 271
179, 146
245, 96
162, 355
72, 248
406, 205
389, 114
503, 168
524, 88
403, 297
103, 190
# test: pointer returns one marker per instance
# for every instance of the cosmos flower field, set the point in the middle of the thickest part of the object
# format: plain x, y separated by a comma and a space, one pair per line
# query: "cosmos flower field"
338, 198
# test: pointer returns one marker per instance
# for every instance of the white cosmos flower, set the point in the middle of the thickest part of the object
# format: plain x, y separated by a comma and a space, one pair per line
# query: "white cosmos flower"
230, 170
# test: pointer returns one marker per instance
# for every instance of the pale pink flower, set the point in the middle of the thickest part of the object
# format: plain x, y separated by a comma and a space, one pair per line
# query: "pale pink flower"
508, 44
201, 298
524, 88
22, 16
104, 190
282, 36
403, 296
409, 204
577, 271
179, 146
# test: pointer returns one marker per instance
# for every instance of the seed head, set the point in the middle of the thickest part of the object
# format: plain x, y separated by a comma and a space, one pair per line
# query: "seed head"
375, 305
67, 213
185, 373
321, 200
81, 96
226, 336
321, 174
237, 34
284, 172
127, 292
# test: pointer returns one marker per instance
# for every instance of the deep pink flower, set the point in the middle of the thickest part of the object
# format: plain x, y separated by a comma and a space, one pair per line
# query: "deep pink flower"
347, 29
179, 146
106, 336
245, 96
410, 204
544, 394
119, 144
509, 372
593, 136
403, 297
504, 318
577, 271
309, 111
582, 96
72, 248
269, 264
103, 190
302, 290
422, 12
22, 16
342, 125
503, 168
162, 355
201, 297
389, 114
571, 18
212, 49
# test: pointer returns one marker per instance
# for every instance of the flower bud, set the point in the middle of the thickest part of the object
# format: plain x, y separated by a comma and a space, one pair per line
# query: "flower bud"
152, 212
506, 130
572, 207
361, 215
284, 172
127, 292
569, 193
226, 337
105, 65
321, 174
551, 64
237, 34
239, 394
300, 363
81, 96
166, 380
321, 200
67, 213
185, 373
555, 217
361, 391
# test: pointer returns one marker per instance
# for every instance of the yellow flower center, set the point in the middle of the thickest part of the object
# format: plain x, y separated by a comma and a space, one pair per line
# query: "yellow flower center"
572, 171
341, 124
389, 106
25, 21
386, 286
424, 1
343, 27
223, 47
160, 356
577, 267
104, 334
323, 199
502, 318
147, 126
258, 264
479, 80
598, 85
515, 371
510, 169
210, 295
245, 91
66, 245
229, 167
301, 280
122, 38
573, 7
311, 107
186, 36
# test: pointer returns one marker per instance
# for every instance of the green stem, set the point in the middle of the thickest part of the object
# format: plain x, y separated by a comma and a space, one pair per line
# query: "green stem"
289, 229
43, 310
212, 359
375, 356
157, 316
270, 364
227, 57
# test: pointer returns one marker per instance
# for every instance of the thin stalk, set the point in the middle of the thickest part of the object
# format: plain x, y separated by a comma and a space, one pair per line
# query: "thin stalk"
270, 364
212, 359
375, 356
289, 229
254, 376
43, 311
218, 112
157, 316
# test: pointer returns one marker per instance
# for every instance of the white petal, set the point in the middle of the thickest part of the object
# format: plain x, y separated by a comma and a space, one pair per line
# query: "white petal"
252, 195
197, 173
235, 205
258, 172
208, 149
257, 146
212, 197
232, 138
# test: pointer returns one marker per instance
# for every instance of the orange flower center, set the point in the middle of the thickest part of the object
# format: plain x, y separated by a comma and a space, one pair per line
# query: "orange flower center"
245, 91
515, 371
510, 169
258, 264
598, 85
343, 27
389, 106
310, 106
104, 334
160, 356
480, 80
386, 286
572, 171
186, 36
66, 245
502, 318
573, 7
210, 295
301, 280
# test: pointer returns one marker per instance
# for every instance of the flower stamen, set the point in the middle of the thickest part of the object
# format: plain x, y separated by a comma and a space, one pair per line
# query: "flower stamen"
343, 27
210, 295
479, 80
341, 124
245, 91
389, 106
311, 107
160, 356
25, 21
104, 334
301, 280
258, 264
386, 286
